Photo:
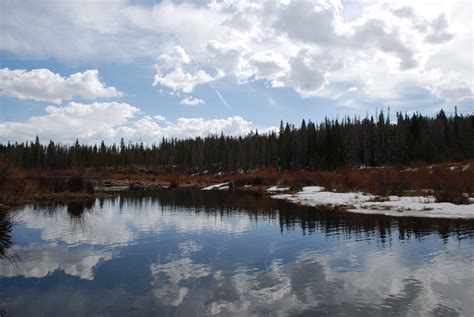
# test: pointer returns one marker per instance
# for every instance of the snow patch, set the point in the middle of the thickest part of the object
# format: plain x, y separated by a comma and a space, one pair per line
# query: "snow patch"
404, 206
277, 189
220, 186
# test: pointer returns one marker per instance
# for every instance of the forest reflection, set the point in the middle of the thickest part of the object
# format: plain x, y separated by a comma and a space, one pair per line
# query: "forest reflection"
200, 252
257, 208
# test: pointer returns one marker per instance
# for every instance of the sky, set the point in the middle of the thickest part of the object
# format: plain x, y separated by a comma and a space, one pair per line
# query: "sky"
144, 70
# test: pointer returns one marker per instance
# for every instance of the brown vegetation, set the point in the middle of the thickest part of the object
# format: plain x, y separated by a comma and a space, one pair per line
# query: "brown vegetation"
448, 182
18, 186
12, 185
393, 180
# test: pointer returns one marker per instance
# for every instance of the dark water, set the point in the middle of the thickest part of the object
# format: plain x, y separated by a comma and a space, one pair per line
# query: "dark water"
189, 253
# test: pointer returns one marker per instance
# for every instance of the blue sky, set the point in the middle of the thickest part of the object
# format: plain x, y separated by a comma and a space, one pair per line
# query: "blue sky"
143, 70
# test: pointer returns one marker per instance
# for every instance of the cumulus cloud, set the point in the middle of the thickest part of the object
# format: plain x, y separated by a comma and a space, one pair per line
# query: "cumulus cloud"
309, 21
93, 121
372, 34
319, 48
110, 121
119, 30
279, 42
309, 69
404, 12
44, 85
191, 101
227, 57
188, 127
269, 65
175, 71
448, 86
439, 30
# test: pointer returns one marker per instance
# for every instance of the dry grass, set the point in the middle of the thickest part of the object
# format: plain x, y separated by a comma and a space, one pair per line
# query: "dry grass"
391, 180
12, 185
447, 181
18, 186
257, 177
450, 179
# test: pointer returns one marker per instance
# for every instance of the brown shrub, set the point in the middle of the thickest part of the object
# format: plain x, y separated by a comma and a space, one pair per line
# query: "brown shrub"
451, 197
12, 185
76, 184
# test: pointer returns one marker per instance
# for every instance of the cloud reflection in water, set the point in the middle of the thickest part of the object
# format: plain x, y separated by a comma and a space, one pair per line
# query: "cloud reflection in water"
211, 254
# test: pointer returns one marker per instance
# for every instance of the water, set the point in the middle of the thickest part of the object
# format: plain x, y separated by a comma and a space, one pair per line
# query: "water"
191, 253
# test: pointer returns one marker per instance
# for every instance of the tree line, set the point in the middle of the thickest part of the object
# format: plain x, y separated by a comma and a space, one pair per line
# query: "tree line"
331, 144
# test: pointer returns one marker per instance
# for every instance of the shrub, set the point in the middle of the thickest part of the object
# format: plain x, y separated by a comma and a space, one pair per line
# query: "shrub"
75, 184
89, 187
451, 197
257, 181
58, 185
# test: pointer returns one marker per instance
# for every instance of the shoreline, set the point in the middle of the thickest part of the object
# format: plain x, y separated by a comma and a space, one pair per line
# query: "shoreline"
312, 196
402, 192
394, 206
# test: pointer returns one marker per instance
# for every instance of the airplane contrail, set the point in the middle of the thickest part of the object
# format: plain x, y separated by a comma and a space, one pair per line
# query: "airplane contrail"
180, 40
197, 63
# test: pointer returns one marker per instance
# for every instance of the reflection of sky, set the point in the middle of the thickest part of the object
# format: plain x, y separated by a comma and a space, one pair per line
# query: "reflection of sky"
377, 283
107, 226
177, 262
40, 260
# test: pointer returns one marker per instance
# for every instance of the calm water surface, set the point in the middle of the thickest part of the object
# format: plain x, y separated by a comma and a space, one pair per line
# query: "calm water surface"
191, 253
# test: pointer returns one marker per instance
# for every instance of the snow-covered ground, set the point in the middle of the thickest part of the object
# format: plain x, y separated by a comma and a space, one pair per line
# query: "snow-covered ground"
274, 189
221, 186
405, 206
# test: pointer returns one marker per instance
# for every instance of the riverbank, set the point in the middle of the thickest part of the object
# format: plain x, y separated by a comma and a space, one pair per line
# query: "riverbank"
396, 206
440, 190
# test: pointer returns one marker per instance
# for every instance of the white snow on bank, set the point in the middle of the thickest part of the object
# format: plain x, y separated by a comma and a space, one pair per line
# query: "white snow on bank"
277, 189
221, 186
416, 206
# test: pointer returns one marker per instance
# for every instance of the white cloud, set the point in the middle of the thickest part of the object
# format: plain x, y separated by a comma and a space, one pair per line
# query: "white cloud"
309, 70
372, 34
159, 118
309, 21
269, 65
117, 30
198, 126
175, 71
97, 121
191, 101
439, 30
227, 57
448, 86
151, 131
313, 47
44, 85
404, 12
